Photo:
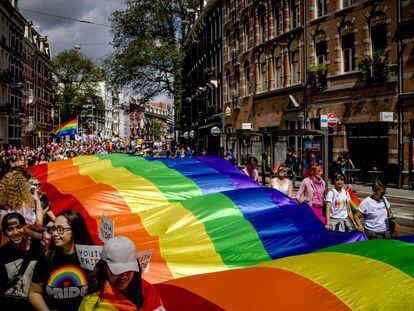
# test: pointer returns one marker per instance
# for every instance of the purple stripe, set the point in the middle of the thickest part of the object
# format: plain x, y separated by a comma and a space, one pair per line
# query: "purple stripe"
238, 178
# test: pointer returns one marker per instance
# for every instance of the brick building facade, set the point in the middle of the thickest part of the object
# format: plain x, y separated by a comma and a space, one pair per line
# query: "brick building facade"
36, 120
287, 62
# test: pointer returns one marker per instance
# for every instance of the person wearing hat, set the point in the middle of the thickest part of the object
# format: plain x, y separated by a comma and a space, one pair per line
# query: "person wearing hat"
18, 258
116, 283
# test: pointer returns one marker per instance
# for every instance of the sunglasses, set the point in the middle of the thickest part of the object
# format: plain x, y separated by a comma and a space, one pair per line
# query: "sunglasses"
282, 170
339, 179
37, 185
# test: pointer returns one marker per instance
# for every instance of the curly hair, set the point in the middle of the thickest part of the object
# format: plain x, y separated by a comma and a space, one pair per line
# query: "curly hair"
14, 192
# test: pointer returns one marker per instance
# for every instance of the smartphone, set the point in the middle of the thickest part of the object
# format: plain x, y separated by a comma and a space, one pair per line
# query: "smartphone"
32, 189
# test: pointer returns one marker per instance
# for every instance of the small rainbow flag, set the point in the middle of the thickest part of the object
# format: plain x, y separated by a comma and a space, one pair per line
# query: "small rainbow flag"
355, 201
67, 128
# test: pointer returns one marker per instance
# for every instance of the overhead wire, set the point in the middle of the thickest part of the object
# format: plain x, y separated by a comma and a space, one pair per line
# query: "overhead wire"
65, 17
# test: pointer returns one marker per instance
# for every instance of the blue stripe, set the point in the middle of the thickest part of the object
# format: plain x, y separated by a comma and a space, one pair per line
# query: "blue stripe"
206, 178
285, 227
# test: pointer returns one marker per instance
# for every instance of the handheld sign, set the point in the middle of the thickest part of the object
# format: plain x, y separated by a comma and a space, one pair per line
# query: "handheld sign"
106, 229
144, 259
88, 255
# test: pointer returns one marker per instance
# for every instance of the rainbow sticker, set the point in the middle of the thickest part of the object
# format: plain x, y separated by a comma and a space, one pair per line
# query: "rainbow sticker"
70, 275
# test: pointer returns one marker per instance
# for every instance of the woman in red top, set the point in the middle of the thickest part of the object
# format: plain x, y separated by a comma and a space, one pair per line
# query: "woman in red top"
116, 281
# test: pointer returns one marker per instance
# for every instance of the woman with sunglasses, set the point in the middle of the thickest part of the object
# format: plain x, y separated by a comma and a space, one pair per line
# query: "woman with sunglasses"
339, 216
281, 182
375, 210
59, 283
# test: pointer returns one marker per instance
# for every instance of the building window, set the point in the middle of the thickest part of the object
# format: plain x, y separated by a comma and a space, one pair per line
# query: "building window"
246, 34
278, 72
294, 13
294, 61
262, 72
237, 83
348, 53
236, 9
228, 9
276, 17
228, 46
261, 14
246, 70
237, 38
320, 8
228, 85
347, 3
321, 52
379, 38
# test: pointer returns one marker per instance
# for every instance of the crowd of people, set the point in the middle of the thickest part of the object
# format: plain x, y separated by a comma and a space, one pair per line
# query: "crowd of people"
39, 268
333, 206
39, 247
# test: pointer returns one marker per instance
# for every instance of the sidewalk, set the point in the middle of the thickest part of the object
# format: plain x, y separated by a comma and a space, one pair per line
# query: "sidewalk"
391, 192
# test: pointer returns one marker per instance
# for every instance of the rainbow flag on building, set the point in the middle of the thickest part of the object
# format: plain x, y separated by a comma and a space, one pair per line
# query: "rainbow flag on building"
67, 128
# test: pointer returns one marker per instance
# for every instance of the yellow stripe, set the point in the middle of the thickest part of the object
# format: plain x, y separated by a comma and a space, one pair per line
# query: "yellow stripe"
184, 242
361, 283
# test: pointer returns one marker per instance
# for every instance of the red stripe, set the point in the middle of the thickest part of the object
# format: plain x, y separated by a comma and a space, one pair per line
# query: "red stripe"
62, 202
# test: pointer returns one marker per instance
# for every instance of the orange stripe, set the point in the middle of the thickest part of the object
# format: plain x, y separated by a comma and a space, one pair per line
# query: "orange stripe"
260, 289
66, 178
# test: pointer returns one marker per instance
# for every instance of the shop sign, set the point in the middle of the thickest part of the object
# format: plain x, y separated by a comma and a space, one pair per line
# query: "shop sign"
186, 135
192, 134
246, 126
386, 116
215, 131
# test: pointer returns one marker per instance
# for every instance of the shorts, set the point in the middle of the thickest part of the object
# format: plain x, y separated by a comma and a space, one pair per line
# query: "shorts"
341, 225
371, 235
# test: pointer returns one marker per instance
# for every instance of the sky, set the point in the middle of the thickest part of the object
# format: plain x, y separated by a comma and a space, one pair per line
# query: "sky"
64, 34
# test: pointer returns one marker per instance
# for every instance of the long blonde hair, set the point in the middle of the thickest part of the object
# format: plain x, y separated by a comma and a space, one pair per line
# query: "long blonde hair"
14, 192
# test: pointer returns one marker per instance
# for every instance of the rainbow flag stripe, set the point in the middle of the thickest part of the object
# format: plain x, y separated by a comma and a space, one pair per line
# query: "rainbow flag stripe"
201, 217
382, 271
355, 201
67, 128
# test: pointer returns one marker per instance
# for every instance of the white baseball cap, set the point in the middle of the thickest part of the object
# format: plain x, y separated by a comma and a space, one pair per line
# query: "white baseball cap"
120, 255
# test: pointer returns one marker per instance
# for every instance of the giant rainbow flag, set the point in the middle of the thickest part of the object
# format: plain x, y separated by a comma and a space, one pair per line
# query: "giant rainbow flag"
204, 220
67, 128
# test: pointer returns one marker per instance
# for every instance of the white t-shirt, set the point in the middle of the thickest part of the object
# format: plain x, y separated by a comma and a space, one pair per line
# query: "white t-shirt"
375, 214
339, 202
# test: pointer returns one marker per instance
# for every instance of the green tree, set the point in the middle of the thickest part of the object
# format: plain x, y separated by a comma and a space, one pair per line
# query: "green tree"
76, 79
156, 130
148, 46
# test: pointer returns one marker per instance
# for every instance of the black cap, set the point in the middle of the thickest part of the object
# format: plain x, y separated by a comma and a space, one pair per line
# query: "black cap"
5, 220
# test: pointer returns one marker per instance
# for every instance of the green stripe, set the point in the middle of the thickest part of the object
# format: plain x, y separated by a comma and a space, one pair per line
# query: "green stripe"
174, 186
395, 253
234, 237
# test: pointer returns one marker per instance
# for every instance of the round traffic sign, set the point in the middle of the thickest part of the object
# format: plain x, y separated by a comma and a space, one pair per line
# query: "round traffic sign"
332, 120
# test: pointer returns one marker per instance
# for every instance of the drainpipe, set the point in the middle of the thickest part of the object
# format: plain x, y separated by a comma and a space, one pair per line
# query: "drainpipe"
305, 65
399, 102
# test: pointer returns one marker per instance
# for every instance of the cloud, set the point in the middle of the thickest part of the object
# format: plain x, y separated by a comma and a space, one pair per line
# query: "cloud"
64, 34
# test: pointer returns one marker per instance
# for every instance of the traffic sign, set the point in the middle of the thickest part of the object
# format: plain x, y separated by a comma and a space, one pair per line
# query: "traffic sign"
332, 119
324, 121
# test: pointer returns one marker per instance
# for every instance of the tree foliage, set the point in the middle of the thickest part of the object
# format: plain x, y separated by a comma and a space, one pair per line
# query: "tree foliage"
76, 81
148, 46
